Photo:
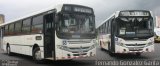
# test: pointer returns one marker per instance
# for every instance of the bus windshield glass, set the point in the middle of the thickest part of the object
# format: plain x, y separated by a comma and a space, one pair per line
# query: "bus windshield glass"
134, 26
77, 25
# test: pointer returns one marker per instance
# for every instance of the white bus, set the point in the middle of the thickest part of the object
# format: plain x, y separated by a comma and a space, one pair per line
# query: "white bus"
127, 31
66, 31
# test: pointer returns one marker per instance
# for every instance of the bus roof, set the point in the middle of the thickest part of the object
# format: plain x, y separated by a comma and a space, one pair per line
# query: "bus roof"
57, 7
116, 14
134, 10
106, 19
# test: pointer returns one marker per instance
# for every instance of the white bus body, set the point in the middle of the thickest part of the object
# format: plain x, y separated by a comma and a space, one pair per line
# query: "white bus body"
43, 36
130, 31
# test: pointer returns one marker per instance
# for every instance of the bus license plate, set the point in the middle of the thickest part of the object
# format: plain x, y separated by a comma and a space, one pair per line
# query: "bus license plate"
134, 49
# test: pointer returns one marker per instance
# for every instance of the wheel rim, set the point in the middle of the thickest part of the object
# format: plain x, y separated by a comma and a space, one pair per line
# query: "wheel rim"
38, 55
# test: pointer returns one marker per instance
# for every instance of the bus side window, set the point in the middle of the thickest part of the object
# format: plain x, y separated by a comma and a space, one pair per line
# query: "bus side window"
6, 30
105, 27
37, 24
11, 29
108, 30
18, 27
26, 26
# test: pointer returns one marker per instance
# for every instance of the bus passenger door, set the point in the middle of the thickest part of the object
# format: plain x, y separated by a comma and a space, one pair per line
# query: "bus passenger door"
49, 34
112, 35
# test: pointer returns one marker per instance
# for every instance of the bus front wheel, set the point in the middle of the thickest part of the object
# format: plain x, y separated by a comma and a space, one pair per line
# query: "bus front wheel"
112, 54
8, 50
37, 55
101, 45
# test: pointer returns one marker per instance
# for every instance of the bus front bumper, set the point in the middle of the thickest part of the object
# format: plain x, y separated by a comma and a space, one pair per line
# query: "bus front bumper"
124, 49
64, 55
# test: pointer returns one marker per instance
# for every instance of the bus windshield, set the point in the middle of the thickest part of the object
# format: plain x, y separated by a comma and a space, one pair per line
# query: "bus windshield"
77, 25
134, 27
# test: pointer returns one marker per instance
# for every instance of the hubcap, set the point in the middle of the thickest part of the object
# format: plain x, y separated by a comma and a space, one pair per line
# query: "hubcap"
38, 55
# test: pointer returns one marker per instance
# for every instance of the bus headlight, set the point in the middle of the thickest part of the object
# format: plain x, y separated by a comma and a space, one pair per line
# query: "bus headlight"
116, 39
63, 47
93, 46
94, 41
120, 44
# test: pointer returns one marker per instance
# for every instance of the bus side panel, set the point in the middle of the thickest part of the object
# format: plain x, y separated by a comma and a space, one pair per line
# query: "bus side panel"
23, 43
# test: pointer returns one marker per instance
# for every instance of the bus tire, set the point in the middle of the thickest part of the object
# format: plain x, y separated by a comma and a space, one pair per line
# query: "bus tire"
112, 54
101, 45
37, 55
8, 49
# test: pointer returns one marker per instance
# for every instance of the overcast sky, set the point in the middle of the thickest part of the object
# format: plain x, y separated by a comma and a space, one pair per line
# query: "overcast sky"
103, 8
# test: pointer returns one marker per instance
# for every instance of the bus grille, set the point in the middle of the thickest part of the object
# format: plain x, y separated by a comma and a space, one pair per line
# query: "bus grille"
135, 44
83, 48
78, 42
